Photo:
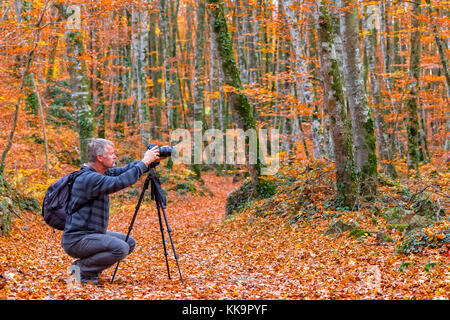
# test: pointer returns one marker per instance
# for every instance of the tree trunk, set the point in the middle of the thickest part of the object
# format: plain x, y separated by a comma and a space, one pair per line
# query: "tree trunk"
445, 69
156, 74
361, 115
163, 20
252, 35
340, 126
139, 42
303, 83
79, 85
42, 117
237, 100
441, 50
412, 126
199, 85
370, 43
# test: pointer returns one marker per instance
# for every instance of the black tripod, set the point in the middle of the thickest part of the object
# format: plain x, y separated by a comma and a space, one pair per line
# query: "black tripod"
157, 194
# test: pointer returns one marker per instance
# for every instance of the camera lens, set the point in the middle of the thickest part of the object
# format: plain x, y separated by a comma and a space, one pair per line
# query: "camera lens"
165, 151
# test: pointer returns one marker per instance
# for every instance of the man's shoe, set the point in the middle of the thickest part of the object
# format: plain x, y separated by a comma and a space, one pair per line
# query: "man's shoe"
92, 279
75, 271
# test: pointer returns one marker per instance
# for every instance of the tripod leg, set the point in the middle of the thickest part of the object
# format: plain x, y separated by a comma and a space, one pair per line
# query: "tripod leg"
169, 231
162, 236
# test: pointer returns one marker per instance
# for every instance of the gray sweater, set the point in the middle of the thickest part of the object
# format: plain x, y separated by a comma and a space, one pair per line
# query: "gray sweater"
91, 191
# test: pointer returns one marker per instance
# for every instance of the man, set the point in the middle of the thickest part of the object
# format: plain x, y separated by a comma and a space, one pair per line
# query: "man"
85, 235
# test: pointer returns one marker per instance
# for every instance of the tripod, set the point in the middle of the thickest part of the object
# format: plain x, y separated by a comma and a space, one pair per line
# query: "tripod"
157, 194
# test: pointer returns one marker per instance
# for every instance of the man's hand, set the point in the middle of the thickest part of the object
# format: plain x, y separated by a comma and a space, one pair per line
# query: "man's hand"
151, 155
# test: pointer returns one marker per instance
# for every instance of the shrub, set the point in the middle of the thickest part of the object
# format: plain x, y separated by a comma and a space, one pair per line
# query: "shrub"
416, 241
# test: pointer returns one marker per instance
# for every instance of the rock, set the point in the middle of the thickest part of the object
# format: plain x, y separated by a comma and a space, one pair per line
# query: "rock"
406, 220
340, 227
396, 215
383, 238
418, 222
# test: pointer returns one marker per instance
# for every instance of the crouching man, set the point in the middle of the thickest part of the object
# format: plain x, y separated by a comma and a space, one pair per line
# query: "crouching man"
85, 236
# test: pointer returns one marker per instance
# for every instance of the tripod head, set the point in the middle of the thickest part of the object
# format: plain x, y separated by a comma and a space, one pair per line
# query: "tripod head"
157, 192
153, 165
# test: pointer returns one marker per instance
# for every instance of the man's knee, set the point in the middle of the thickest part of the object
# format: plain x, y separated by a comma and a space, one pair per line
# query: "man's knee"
121, 251
132, 244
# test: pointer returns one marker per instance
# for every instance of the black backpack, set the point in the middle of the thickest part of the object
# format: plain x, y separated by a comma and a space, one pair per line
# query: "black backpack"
54, 206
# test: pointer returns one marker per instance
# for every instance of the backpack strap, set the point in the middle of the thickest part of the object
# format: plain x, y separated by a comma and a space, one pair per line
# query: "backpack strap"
76, 174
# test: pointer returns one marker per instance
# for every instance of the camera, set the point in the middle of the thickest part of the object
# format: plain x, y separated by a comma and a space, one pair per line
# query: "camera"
163, 151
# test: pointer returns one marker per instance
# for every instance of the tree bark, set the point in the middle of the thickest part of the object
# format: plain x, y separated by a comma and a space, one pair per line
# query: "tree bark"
412, 126
334, 100
41, 115
237, 100
199, 85
361, 115
79, 83
139, 41
370, 44
303, 83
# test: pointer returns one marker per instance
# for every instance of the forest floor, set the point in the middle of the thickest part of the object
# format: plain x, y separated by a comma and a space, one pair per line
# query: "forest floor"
244, 256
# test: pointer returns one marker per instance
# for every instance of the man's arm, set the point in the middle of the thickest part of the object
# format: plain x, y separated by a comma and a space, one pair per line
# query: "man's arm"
119, 170
149, 157
96, 184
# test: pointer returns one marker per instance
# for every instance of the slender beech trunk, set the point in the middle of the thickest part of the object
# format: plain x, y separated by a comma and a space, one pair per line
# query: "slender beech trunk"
100, 112
79, 85
412, 126
361, 114
387, 56
441, 49
139, 43
241, 31
334, 99
301, 67
199, 84
237, 100
42, 117
155, 74
164, 27
252, 34
445, 68
370, 44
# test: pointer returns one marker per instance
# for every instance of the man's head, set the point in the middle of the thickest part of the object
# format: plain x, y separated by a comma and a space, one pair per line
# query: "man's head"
101, 153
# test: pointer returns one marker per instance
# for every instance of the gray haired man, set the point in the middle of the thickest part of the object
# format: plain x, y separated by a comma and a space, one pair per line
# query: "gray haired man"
85, 236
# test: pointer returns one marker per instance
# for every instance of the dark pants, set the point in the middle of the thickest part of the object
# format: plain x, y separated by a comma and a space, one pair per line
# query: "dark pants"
97, 252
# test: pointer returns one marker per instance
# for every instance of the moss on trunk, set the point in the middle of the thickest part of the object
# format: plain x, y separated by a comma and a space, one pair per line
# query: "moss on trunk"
236, 98
346, 173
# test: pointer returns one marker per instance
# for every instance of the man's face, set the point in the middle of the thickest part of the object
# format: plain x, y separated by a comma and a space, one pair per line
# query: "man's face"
108, 159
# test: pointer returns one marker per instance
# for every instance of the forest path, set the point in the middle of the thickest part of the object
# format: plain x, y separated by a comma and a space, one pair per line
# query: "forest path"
243, 257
